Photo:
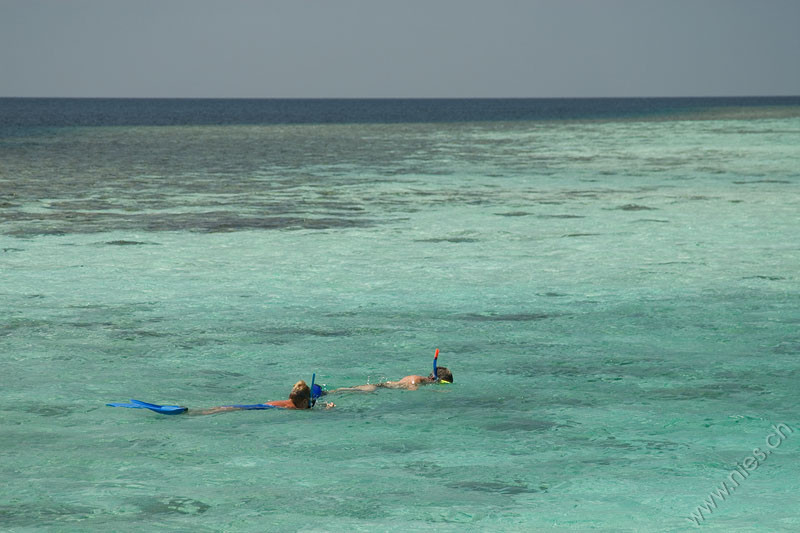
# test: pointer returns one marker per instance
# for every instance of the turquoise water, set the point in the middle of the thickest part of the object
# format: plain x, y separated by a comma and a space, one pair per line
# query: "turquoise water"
618, 301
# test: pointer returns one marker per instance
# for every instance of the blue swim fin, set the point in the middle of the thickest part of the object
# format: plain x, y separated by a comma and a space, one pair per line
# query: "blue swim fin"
162, 409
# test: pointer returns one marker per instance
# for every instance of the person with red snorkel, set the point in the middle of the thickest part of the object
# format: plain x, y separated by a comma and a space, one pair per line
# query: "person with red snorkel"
440, 374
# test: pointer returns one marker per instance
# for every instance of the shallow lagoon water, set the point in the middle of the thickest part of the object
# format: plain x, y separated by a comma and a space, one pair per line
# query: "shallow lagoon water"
617, 299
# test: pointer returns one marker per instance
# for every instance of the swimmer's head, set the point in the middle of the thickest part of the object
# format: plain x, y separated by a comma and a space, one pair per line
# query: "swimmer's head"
300, 395
442, 374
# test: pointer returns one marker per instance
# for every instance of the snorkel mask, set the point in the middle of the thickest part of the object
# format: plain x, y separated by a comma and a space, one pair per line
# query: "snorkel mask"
435, 370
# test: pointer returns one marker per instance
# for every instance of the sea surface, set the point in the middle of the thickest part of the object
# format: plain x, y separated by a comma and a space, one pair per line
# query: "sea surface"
614, 283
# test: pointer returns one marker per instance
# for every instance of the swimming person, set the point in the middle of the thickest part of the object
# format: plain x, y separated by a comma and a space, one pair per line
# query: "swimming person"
299, 398
443, 375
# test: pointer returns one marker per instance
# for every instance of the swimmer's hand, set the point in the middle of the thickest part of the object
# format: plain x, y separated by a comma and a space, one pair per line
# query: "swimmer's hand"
329, 405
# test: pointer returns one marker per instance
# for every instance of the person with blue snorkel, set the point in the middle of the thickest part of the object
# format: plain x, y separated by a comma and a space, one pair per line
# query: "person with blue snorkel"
440, 374
301, 397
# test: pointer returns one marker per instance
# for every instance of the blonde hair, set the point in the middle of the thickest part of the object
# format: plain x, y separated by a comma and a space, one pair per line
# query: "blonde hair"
300, 393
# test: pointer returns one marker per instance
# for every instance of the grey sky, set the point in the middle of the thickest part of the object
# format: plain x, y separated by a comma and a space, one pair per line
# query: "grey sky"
399, 48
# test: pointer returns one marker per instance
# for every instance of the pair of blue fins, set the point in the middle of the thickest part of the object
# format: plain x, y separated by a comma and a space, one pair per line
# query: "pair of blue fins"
316, 392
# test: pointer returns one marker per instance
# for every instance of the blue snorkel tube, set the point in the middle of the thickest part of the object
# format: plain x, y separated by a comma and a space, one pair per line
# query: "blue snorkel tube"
316, 392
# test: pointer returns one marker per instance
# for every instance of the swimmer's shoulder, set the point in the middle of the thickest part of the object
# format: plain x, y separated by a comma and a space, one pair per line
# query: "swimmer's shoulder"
285, 404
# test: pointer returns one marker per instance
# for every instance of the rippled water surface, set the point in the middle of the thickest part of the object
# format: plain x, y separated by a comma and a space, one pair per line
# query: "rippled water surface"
615, 291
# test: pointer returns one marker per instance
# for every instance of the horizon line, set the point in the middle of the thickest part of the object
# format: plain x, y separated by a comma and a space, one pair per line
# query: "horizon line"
651, 97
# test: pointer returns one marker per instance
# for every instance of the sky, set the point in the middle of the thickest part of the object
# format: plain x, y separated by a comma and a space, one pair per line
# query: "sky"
399, 48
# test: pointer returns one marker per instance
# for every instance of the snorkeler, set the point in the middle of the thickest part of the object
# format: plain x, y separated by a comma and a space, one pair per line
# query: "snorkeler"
408, 383
300, 397
440, 374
